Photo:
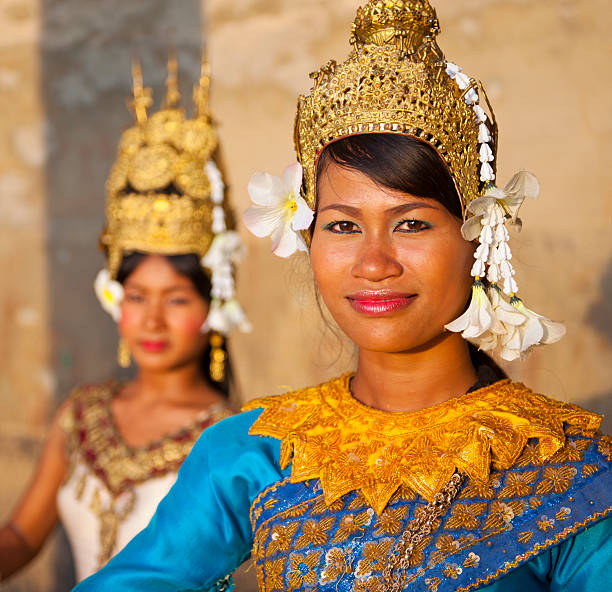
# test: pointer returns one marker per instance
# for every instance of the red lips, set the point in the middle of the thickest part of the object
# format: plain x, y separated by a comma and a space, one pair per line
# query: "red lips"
154, 346
380, 302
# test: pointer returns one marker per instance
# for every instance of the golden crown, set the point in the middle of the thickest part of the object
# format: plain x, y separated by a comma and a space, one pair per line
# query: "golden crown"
396, 80
161, 191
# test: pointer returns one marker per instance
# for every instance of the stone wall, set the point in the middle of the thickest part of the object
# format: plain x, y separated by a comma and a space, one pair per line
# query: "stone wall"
64, 77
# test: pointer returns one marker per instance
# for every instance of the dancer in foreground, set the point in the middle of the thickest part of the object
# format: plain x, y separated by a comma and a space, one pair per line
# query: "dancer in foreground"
427, 468
115, 448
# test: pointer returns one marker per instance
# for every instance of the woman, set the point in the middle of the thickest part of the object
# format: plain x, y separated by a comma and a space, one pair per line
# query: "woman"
426, 469
115, 448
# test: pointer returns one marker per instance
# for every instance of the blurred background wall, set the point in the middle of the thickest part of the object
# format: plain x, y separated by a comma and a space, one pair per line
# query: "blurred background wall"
64, 79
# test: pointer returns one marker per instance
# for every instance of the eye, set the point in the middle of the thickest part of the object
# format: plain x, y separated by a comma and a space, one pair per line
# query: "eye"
133, 297
342, 227
178, 301
412, 226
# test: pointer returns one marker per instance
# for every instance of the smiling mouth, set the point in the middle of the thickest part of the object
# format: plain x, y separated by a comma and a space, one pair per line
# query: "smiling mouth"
378, 304
154, 346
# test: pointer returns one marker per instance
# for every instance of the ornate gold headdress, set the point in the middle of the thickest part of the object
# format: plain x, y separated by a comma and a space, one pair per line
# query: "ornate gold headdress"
396, 80
161, 190
165, 195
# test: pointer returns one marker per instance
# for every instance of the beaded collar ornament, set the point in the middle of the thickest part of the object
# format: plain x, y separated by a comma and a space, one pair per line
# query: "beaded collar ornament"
396, 80
165, 195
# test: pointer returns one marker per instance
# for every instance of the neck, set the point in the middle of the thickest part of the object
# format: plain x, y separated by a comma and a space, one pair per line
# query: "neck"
177, 385
413, 380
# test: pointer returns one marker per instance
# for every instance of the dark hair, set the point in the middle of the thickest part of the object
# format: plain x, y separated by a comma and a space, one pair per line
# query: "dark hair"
405, 164
188, 266
397, 162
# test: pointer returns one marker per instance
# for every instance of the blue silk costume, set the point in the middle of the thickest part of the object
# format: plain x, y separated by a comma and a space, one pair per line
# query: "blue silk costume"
250, 487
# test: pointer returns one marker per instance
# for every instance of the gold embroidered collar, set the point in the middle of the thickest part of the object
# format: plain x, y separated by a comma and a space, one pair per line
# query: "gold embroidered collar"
94, 436
327, 434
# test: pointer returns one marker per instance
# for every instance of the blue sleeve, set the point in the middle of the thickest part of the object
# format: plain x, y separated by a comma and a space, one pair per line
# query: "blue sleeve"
201, 531
584, 562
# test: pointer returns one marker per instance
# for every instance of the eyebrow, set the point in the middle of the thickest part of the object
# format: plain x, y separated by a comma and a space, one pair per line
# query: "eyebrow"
135, 286
401, 209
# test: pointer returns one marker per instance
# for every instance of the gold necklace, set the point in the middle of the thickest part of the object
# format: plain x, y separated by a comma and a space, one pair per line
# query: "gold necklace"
416, 530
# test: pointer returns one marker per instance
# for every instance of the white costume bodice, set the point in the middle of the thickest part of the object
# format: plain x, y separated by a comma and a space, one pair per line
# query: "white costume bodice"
112, 490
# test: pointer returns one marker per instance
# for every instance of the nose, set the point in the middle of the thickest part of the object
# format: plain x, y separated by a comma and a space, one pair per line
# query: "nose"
376, 261
154, 315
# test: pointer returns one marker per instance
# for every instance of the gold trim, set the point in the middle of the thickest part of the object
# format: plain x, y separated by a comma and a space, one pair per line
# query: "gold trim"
535, 551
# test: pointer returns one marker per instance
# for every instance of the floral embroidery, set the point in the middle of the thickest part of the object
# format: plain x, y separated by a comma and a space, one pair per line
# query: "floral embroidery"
374, 556
500, 514
275, 574
573, 451
466, 516
372, 584
282, 537
588, 470
519, 484
391, 521
563, 514
452, 570
557, 479
525, 537
352, 524
303, 569
472, 560
433, 584
314, 533
337, 564
546, 524
605, 447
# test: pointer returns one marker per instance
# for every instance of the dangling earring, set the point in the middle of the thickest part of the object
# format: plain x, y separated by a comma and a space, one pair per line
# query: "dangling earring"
124, 358
217, 358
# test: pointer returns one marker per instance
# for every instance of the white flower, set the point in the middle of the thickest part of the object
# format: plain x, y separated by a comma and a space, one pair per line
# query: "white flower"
547, 331
216, 182
279, 210
225, 317
226, 247
109, 293
479, 316
510, 199
236, 317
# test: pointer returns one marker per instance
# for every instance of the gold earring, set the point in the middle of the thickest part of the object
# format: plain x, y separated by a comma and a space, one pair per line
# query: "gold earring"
217, 358
124, 358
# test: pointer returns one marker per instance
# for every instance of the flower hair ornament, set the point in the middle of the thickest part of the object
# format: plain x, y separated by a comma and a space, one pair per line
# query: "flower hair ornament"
396, 80
165, 195
279, 211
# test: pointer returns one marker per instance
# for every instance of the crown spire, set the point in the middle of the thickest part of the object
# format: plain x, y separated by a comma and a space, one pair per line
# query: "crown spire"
201, 90
142, 96
408, 24
173, 96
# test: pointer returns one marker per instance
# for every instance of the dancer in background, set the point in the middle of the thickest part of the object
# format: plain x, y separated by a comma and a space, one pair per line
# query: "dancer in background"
427, 468
114, 448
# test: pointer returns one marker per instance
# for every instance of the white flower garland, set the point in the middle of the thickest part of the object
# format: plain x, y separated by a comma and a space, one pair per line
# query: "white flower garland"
490, 321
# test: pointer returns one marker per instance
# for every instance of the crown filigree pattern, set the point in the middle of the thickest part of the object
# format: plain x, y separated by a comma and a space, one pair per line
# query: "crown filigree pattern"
158, 191
394, 80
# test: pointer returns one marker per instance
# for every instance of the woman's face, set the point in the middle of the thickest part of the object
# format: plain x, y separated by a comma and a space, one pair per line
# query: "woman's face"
392, 268
161, 316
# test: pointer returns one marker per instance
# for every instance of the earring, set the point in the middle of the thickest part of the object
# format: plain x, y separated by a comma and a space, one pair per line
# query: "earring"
217, 358
124, 358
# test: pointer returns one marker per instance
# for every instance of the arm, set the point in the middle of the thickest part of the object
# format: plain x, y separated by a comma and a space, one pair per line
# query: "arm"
201, 531
33, 519
581, 563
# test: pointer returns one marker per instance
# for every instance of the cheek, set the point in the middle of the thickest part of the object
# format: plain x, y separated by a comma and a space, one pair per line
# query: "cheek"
188, 324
